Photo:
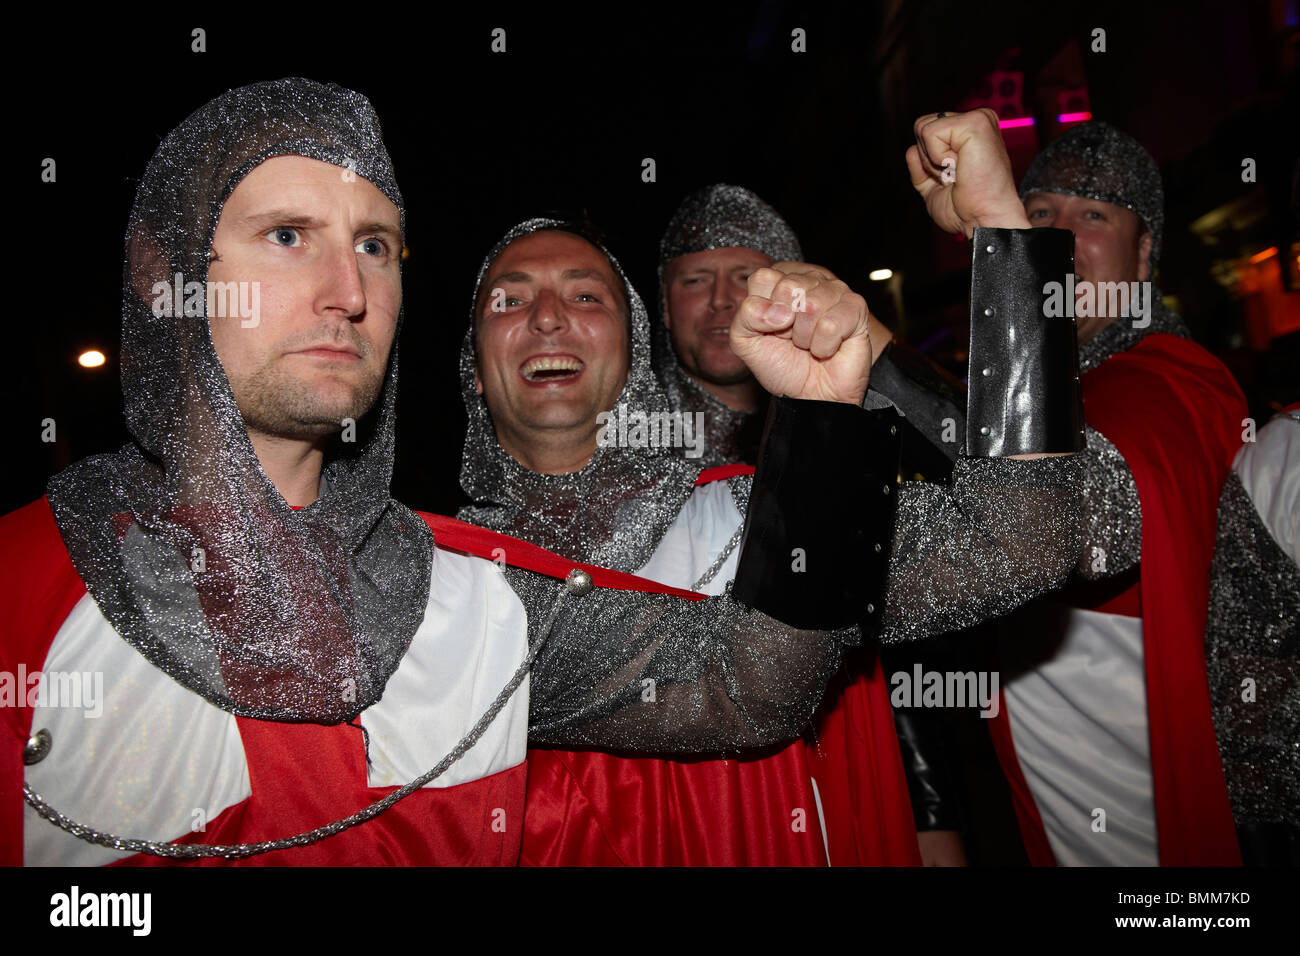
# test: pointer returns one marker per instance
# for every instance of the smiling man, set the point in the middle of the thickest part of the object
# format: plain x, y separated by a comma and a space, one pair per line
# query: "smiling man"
553, 375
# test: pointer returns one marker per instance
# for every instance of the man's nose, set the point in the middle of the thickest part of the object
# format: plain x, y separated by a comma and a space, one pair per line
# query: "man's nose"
549, 314
724, 295
342, 289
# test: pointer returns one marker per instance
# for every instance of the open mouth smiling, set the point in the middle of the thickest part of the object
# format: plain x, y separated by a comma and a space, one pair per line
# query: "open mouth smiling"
545, 369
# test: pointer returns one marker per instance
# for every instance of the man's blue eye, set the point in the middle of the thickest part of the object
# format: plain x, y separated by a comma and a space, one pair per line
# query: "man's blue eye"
372, 247
283, 236
587, 295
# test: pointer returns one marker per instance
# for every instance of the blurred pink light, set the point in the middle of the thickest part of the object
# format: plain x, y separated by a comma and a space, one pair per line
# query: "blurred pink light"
1073, 117
1012, 123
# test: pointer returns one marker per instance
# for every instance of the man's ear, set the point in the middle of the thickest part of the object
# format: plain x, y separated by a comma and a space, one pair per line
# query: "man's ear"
1144, 256
478, 382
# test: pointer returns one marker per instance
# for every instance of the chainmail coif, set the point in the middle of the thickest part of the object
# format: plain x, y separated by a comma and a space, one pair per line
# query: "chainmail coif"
283, 614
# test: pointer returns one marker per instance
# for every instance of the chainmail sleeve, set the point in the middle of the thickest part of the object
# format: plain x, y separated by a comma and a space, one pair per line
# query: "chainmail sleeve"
1112, 512
1005, 531
628, 671
623, 670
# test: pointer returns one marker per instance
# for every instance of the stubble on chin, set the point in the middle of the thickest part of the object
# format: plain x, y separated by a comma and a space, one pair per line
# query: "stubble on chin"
276, 402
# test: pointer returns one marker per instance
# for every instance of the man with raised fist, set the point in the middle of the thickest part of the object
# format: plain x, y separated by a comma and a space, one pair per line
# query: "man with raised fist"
1107, 739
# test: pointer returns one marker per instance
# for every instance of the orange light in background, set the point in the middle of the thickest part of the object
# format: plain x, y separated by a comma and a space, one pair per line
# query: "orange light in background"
92, 358
1261, 256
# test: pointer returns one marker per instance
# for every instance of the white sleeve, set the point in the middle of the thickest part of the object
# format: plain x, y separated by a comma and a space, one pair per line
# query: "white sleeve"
1269, 469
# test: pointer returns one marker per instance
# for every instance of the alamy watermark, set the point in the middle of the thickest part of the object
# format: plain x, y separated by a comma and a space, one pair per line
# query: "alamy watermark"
621, 428
1099, 300
921, 688
82, 690
217, 300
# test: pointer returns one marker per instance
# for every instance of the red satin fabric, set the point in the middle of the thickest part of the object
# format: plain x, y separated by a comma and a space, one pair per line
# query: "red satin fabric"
593, 809
1174, 412
303, 776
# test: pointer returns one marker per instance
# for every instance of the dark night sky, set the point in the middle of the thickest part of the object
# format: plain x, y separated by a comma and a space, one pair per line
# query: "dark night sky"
561, 122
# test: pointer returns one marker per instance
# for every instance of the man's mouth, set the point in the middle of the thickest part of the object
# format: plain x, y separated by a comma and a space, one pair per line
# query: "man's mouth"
718, 331
330, 352
551, 368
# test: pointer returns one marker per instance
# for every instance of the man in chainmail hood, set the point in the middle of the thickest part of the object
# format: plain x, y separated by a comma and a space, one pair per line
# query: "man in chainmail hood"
238, 574
1106, 738
717, 237
557, 339
275, 660
693, 359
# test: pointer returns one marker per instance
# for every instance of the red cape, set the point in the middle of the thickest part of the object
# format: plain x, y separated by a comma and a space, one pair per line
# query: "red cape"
1175, 413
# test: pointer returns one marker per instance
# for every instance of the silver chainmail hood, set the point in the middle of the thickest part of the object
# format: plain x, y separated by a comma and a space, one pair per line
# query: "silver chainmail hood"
716, 217
615, 510
1097, 161
187, 547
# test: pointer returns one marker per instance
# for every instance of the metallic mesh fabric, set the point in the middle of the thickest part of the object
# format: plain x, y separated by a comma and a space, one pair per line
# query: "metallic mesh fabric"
1097, 161
1004, 532
1253, 631
290, 615
643, 673
712, 218
612, 512
1112, 512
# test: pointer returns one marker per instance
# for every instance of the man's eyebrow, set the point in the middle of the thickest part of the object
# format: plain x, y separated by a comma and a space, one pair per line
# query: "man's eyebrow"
381, 227
509, 277
281, 217
585, 274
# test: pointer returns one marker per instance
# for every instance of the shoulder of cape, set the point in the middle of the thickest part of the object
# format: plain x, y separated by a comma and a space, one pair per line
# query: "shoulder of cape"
1167, 382
38, 585
456, 535
722, 473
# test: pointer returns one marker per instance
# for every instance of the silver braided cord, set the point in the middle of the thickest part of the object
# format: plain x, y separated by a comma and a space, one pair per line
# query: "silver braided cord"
721, 559
239, 851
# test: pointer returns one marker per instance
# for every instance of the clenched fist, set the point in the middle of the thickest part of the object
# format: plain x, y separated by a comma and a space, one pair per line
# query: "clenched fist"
984, 193
805, 334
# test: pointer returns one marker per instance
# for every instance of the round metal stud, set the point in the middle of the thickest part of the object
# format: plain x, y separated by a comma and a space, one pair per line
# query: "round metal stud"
984, 430
579, 582
988, 371
886, 489
989, 310
990, 249
871, 609
877, 547
38, 747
